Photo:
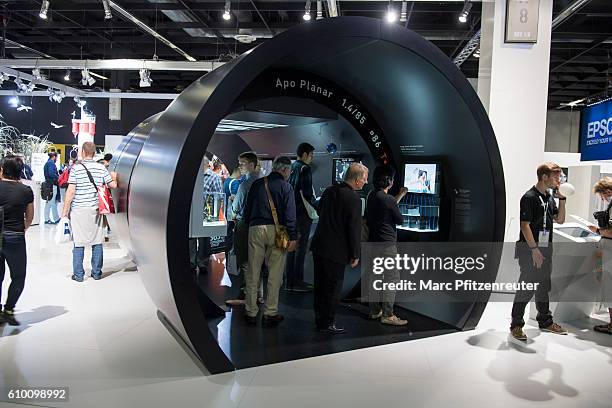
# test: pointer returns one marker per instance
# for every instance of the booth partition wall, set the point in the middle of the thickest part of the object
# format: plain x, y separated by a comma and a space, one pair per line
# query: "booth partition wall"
380, 94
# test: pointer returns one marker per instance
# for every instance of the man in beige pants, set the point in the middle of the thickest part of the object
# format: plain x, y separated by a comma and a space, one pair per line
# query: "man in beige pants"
270, 204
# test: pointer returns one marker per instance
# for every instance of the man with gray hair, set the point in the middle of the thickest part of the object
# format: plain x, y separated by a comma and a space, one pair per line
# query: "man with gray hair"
270, 205
336, 243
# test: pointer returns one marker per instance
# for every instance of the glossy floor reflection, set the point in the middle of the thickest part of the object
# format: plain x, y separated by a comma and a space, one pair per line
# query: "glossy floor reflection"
104, 341
296, 337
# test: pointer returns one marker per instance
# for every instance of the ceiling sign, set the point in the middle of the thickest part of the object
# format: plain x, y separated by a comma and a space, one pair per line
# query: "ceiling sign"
522, 21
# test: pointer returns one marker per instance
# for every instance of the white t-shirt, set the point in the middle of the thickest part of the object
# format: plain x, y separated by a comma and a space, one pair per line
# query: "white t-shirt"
86, 194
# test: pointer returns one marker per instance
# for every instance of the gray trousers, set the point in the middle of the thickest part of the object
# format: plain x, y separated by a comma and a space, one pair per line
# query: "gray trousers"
383, 300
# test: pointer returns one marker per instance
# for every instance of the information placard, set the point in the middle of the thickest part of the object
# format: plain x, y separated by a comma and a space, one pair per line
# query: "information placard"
522, 21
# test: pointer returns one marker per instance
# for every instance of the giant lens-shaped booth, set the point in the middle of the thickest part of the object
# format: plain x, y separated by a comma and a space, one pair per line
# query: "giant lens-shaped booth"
400, 94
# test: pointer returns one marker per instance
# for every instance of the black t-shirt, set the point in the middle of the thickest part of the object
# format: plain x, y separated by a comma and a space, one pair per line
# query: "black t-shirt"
532, 211
14, 197
382, 215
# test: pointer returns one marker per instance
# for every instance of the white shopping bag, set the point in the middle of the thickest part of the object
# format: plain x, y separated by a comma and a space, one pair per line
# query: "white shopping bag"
63, 232
225, 280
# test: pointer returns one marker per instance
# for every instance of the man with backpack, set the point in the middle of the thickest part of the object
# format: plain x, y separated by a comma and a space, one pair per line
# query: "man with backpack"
50, 190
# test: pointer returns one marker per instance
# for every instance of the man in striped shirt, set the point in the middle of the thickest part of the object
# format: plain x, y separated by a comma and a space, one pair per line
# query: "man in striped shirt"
81, 205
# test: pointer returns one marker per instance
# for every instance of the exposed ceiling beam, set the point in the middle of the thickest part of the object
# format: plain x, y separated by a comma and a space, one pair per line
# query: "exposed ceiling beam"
132, 18
594, 44
205, 24
49, 84
262, 18
112, 64
114, 95
568, 12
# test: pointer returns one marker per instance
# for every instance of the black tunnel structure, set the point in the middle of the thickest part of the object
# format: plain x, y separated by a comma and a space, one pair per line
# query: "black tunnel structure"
403, 96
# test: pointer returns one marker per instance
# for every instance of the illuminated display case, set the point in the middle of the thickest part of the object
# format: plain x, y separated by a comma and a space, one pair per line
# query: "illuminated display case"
208, 216
421, 213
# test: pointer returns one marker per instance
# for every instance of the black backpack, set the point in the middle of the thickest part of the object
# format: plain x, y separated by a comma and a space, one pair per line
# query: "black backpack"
46, 191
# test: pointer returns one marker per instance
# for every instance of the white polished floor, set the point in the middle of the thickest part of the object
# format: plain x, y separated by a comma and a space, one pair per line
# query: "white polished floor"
104, 341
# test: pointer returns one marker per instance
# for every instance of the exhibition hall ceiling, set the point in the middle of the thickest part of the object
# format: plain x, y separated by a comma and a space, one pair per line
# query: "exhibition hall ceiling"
77, 29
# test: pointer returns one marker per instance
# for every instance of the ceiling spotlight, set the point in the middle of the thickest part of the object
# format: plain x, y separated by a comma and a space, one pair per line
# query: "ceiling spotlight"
108, 14
14, 101
36, 73
145, 78
477, 53
307, 11
391, 14
67, 76
44, 9
226, 13
87, 78
319, 9
30, 87
467, 6
3, 77
403, 14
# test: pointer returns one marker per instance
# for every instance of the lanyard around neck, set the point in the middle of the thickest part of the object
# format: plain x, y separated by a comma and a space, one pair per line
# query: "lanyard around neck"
545, 206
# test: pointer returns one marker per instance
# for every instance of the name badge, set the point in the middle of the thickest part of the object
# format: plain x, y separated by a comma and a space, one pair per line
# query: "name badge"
544, 236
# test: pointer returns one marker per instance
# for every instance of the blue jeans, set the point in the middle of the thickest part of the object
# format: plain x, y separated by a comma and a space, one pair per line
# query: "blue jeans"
97, 258
51, 206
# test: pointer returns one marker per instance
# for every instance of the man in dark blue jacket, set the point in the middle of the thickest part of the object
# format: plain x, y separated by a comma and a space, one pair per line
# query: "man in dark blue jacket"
51, 177
301, 180
269, 198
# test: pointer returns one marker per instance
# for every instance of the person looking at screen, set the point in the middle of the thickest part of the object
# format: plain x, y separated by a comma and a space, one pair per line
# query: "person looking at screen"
534, 249
301, 180
383, 215
336, 243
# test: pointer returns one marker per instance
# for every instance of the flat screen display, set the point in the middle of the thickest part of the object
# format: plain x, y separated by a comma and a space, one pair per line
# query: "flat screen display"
340, 166
420, 178
596, 132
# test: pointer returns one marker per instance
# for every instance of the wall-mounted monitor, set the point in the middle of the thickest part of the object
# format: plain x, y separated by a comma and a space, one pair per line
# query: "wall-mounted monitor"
421, 178
340, 166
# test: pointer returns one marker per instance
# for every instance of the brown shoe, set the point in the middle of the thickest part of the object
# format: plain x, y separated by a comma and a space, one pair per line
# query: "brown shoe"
554, 328
518, 333
393, 320
272, 320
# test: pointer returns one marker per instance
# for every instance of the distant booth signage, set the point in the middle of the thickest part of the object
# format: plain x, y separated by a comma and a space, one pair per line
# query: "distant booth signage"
596, 132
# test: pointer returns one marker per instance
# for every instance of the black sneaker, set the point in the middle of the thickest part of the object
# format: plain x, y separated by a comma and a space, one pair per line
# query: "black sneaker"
74, 278
332, 329
96, 277
272, 320
8, 316
302, 287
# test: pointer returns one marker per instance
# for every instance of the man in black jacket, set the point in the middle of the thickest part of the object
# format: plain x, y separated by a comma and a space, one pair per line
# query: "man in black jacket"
262, 231
301, 180
336, 243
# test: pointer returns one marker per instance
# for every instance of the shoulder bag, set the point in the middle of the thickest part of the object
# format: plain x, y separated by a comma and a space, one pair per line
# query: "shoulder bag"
281, 238
105, 199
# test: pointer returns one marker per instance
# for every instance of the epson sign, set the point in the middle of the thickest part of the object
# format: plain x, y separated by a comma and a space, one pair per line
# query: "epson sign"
599, 128
596, 132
